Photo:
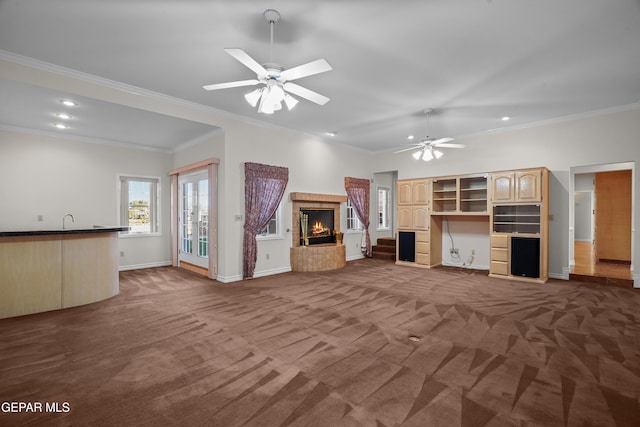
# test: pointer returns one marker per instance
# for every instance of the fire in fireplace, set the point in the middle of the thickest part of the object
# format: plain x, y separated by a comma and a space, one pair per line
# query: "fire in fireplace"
319, 223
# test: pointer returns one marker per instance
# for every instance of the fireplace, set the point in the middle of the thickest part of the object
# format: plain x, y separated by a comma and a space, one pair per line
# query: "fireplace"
319, 226
322, 256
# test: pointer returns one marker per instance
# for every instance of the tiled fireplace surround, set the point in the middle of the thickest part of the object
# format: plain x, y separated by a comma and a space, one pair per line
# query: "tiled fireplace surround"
321, 257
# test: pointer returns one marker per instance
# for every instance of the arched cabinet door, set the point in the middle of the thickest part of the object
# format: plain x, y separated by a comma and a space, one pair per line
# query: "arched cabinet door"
503, 187
528, 188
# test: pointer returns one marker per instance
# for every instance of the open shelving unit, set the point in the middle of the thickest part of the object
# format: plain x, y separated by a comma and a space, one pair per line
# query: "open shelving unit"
473, 194
445, 195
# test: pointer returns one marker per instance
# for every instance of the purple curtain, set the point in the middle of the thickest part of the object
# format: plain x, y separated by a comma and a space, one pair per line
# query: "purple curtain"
263, 189
358, 193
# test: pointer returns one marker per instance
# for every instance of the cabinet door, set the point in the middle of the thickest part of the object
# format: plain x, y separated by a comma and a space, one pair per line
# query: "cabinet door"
420, 218
420, 192
404, 192
405, 217
502, 187
528, 186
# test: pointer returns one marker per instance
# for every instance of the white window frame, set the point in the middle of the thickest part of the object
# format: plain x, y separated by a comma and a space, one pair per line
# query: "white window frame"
387, 211
123, 204
354, 225
277, 219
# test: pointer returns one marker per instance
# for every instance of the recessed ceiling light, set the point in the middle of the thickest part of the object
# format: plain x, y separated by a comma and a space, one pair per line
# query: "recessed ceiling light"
410, 137
63, 116
60, 125
68, 102
505, 118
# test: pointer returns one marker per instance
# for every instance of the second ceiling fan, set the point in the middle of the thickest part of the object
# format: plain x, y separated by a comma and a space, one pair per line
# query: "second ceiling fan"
275, 81
426, 148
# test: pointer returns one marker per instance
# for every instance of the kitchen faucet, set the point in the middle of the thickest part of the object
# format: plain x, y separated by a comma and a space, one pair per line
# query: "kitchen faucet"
65, 217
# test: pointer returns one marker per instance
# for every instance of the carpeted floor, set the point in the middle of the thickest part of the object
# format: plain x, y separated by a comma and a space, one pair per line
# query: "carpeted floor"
330, 349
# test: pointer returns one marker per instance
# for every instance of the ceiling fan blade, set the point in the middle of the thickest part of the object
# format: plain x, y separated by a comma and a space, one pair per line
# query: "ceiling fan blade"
248, 61
305, 93
442, 140
445, 145
315, 67
415, 147
232, 84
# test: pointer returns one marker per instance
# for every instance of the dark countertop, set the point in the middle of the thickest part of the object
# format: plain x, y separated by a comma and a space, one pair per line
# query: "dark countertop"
59, 231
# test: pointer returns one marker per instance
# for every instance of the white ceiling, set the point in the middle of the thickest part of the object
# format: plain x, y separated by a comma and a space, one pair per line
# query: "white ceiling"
472, 61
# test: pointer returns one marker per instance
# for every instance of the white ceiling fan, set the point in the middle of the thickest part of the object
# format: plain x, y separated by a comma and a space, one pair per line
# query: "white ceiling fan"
275, 81
427, 146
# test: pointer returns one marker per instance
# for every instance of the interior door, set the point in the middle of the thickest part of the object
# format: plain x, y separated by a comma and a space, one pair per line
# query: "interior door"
613, 216
193, 220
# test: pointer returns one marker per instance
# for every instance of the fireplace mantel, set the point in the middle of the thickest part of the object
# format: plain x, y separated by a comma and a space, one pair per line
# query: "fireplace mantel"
313, 197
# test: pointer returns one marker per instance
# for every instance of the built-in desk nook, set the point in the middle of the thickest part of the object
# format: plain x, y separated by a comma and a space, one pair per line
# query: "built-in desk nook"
43, 270
512, 205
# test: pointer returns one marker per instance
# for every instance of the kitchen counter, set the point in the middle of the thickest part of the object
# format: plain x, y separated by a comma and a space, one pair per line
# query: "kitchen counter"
65, 231
43, 270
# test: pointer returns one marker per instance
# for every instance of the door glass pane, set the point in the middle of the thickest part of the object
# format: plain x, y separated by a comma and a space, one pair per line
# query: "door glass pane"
187, 217
203, 217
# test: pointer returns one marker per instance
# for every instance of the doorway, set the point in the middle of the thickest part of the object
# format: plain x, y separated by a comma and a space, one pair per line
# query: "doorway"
601, 233
193, 220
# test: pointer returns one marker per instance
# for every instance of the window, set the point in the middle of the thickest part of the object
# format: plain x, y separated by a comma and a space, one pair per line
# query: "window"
353, 222
383, 208
139, 205
272, 230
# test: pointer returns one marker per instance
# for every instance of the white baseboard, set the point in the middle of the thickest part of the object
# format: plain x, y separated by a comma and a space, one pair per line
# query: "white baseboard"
636, 281
141, 266
229, 279
563, 276
271, 272
469, 266
355, 257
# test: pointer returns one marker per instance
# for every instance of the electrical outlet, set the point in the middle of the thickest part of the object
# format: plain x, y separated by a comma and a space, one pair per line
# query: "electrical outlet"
121, 253
473, 251
40, 217
268, 256
453, 251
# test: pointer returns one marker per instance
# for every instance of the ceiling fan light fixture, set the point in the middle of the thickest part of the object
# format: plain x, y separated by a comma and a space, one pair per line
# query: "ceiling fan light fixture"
253, 97
290, 101
437, 154
427, 156
417, 154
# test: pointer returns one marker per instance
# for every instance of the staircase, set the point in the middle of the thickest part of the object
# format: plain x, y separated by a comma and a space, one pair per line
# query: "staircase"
385, 249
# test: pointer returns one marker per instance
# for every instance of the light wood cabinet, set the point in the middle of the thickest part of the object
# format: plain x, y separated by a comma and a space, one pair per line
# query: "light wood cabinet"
499, 254
404, 217
520, 211
420, 217
515, 203
420, 192
528, 186
517, 186
404, 193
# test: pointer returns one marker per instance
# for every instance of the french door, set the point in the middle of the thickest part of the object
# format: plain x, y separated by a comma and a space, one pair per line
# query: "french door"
193, 219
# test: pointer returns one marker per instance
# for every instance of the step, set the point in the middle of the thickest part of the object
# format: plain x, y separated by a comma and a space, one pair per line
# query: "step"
383, 248
386, 241
384, 255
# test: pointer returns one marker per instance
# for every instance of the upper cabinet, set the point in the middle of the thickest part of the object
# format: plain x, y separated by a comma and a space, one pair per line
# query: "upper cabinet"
517, 187
420, 192
414, 192
404, 193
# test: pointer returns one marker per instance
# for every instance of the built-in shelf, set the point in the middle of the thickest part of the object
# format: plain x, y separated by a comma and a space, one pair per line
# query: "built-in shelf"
516, 219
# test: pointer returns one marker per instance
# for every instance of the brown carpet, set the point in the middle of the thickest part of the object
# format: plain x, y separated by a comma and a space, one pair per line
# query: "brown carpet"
331, 349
